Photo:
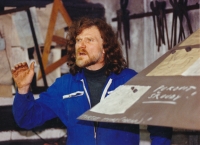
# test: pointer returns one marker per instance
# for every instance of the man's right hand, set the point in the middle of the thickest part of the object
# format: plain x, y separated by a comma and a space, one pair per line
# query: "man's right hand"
23, 76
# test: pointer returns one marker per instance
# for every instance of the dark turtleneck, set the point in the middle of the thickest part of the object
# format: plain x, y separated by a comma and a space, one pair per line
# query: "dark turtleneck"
96, 81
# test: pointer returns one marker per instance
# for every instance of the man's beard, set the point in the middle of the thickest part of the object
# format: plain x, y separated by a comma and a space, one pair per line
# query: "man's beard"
83, 61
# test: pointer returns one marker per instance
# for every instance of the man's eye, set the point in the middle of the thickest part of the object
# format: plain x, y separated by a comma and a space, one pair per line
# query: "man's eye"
89, 40
78, 40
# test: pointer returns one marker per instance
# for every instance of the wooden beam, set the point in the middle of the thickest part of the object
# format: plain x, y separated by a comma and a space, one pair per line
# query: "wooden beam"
53, 66
59, 40
57, 7
36, 46
14, 10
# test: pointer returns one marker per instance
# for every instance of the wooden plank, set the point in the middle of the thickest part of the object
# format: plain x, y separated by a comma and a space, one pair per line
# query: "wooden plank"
36, 45
5, 63
6, 91
193, 39
171, 65
13, 53
5, 72
59, 40
180, 61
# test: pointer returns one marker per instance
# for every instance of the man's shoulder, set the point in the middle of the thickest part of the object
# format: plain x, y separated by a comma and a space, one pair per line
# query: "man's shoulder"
124, 74
66, 78
67, 75
128, 71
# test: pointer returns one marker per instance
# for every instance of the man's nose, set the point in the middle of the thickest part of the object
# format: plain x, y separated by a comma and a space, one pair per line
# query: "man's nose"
82, 43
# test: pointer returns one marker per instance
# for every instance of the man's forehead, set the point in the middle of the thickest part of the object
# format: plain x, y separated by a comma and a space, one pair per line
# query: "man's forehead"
93, 31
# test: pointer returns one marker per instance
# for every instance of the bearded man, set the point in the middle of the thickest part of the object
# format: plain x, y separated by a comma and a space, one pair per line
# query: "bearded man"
97, 67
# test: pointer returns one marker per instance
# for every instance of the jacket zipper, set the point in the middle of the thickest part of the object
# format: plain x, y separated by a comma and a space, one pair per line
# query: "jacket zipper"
95, 129
88, 98
102, 97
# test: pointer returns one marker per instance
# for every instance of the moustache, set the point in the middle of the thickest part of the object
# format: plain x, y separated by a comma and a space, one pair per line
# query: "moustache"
81, 51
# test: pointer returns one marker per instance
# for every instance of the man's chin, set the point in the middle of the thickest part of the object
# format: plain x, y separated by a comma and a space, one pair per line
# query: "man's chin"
83, 65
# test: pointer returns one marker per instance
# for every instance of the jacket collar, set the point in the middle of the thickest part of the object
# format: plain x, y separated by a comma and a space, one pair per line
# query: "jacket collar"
80, 75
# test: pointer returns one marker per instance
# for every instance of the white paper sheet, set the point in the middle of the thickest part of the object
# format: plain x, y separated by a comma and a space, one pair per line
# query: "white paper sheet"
120, 100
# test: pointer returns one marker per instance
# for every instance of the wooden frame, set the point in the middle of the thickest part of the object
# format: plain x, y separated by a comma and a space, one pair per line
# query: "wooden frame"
57, 7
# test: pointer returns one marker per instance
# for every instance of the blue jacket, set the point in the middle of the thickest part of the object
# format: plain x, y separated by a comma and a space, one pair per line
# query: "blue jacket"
68, 98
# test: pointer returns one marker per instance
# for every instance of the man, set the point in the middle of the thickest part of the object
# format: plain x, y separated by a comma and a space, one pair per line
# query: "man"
97, 67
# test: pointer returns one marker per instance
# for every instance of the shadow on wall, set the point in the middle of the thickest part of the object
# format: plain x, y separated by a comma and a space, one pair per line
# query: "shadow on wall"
75, 8
80, 8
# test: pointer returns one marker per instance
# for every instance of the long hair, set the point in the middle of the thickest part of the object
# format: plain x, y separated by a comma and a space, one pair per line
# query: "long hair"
114, 59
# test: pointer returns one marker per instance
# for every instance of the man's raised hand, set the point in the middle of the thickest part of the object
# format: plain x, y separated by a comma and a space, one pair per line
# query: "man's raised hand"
23, 76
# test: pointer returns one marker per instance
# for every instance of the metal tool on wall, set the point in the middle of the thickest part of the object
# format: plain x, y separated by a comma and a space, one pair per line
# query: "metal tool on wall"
179, 12
167, 11
123, 19
160, 24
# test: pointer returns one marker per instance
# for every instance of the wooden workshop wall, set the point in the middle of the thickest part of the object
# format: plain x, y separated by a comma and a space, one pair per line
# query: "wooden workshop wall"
142, 52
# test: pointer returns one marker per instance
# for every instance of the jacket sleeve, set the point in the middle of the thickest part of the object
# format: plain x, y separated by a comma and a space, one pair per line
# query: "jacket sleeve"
29, 114
160, 135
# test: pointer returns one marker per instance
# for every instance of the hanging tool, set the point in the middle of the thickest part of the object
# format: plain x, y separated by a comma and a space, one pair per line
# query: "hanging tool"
179, 12
160, 24
123, 19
